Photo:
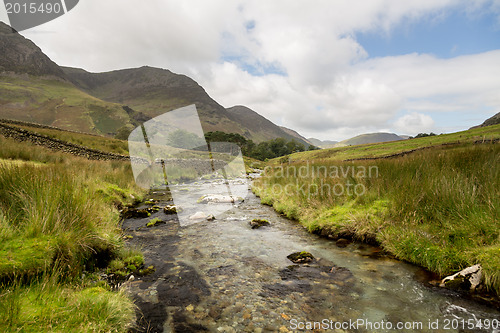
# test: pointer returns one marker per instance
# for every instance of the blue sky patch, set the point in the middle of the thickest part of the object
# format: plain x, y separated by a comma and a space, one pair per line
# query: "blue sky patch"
457, 33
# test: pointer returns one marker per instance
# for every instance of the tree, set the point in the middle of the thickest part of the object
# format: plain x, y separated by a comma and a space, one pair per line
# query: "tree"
183, 139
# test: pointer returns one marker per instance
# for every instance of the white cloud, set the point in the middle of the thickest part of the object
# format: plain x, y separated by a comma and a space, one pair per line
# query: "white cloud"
331, 88
414, 123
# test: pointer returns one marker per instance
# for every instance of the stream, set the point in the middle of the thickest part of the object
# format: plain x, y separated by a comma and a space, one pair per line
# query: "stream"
223, 276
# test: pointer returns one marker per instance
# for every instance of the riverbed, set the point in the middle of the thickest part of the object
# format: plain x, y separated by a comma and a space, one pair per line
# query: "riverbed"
223, 276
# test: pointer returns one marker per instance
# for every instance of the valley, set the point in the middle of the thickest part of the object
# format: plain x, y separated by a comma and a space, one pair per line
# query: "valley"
375, 229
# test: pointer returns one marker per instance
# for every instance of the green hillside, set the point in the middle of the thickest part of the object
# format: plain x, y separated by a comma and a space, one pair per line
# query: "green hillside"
370, 138
58, 103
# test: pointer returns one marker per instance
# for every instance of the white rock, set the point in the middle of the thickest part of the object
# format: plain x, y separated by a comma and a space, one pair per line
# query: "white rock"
198, 216
218, 198
473, 274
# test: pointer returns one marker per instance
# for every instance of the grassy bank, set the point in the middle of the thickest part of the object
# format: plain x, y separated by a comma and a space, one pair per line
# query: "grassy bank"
59, 222
438, 208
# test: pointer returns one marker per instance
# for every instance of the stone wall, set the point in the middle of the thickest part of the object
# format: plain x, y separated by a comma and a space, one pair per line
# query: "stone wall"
21, 135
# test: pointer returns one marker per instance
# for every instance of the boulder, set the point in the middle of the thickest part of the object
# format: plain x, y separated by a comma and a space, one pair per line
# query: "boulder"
467, 279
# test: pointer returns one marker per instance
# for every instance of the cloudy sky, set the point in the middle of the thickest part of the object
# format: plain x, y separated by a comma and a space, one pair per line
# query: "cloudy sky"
329, 69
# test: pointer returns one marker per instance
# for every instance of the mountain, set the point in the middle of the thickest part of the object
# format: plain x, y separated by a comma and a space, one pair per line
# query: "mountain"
297, 136
20, 55
155, 91
490, 121
322, 144
34, 88
261, 128
369, 138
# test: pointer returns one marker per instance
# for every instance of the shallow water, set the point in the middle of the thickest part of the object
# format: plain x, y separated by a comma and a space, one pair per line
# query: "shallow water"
223, 276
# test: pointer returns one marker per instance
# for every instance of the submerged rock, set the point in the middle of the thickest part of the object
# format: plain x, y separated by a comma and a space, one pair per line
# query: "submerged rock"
198, 216
257, 223
342, 242
300, 257
467, 279
137, 213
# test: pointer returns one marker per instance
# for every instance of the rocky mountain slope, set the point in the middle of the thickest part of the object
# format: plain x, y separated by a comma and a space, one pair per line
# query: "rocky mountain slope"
20, 55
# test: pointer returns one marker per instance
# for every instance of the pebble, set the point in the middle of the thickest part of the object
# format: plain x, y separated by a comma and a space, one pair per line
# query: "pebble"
247, 315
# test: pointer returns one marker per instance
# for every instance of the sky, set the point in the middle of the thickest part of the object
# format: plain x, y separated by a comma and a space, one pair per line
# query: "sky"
329, 69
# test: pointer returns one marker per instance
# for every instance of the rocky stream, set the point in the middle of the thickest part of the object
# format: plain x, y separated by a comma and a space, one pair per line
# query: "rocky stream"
229, 275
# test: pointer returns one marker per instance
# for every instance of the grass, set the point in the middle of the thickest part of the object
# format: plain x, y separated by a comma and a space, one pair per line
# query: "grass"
54, 307
438, 208
59, 219
388, 148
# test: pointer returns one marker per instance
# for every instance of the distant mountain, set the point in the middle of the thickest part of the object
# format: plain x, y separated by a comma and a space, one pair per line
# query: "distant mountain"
34, 88
322, 144
369, 138
490, 121
296, 136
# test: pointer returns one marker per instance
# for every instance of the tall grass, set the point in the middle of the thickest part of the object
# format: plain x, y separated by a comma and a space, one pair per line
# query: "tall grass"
66, 204
59, 218
437, 208
51, 306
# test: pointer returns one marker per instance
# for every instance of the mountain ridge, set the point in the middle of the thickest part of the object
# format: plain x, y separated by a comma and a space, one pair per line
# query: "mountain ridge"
34, 88
154, 91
